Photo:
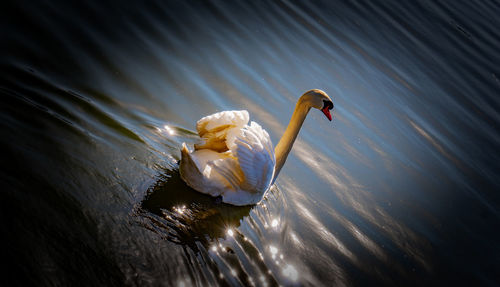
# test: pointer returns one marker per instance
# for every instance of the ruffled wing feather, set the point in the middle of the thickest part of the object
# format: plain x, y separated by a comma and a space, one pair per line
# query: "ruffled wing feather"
256, 158
219, 130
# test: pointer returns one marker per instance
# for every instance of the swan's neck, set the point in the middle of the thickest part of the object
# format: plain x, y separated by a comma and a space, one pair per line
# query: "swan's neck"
286, 142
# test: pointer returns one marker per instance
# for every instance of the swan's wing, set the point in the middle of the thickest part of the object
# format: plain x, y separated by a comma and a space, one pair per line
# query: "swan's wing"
210, 172
255, 154
211, 122
214, 129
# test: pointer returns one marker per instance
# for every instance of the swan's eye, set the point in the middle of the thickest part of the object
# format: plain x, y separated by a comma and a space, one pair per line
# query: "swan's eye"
327, 104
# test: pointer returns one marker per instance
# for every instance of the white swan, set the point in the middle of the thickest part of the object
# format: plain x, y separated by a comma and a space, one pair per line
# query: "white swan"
236, 161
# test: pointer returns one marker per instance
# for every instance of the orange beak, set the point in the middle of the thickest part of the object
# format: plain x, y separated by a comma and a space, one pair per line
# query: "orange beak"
326, 111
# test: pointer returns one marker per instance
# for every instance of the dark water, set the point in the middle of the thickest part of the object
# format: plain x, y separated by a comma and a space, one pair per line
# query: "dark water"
402, 188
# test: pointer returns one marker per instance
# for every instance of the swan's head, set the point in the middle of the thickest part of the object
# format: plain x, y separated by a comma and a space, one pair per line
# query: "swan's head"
318, 99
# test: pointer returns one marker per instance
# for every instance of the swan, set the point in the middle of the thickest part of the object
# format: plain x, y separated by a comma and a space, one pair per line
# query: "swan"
236, 162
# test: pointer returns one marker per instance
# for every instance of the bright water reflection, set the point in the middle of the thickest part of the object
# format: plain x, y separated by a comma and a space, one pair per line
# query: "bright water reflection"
400, 189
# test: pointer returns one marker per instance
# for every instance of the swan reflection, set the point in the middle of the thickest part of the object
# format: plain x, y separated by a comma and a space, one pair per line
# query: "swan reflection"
211, 230
186, 217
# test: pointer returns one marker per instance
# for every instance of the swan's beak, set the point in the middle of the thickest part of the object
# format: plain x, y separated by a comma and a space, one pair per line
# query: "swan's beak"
326, 111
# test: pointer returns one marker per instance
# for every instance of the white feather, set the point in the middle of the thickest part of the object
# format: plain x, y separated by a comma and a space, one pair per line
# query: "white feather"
236, 160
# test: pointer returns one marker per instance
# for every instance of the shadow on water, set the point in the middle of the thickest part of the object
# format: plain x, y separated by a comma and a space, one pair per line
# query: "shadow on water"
185, 216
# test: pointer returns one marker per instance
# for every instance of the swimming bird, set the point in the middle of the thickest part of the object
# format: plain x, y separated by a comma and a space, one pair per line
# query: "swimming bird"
236, 162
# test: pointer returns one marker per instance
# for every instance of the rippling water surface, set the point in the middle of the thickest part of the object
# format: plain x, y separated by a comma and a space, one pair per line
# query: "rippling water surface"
400, 189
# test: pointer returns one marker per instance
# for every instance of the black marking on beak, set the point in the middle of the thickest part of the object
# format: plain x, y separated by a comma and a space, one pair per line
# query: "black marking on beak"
328, 104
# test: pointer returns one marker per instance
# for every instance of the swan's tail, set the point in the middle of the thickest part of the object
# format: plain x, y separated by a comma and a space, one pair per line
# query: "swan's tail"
189, 170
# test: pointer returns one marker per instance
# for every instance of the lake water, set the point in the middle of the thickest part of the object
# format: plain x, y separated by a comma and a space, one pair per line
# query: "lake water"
401, 188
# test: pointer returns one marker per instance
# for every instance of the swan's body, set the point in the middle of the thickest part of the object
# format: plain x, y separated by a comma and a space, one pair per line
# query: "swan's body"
236, 161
